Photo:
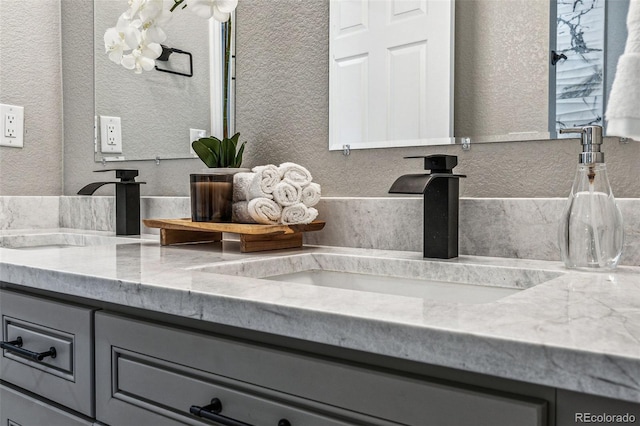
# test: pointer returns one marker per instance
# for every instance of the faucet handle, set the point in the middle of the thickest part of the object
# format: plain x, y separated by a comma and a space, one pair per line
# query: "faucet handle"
125, 175
438, 163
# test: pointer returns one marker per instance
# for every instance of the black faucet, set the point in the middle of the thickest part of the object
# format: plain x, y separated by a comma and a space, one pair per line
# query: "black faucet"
127, 200
441, 199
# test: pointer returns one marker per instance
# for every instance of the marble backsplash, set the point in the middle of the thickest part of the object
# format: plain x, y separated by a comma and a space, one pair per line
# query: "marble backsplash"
99, 213
29, 212
502, 227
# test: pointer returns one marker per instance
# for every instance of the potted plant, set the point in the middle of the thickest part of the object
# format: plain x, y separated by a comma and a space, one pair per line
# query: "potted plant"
212, 190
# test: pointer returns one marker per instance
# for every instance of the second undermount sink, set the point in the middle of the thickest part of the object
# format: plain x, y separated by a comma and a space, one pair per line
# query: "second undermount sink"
47, 240
435, 280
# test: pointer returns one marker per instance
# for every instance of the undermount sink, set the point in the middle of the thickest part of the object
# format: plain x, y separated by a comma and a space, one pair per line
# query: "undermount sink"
434, 280
59, 240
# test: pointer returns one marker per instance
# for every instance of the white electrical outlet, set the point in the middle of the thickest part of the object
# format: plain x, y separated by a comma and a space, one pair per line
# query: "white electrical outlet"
195, 134
110, 134
12, 126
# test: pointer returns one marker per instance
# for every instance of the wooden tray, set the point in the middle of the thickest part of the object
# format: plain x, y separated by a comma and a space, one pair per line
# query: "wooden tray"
253, 237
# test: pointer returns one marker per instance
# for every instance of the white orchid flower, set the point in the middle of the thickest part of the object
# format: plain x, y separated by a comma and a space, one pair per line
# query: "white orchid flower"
148, 15
152, 19
150, 10
114, 45
123, 37
134, 8
129, 31
143, 57
220, 10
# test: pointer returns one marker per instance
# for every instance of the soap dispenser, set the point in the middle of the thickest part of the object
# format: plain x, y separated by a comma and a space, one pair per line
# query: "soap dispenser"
590, 233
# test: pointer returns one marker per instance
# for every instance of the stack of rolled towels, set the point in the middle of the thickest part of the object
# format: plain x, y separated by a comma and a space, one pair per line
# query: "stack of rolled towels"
273, 195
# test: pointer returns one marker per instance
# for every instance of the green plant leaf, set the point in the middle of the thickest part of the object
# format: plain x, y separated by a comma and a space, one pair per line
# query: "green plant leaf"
212, 143
215, 147
219, 153
222, 162
205, 154
230, 152
235, 139
238, 159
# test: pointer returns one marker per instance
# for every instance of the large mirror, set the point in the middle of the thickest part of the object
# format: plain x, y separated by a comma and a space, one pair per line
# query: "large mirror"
157, 113
504, 86
522, 69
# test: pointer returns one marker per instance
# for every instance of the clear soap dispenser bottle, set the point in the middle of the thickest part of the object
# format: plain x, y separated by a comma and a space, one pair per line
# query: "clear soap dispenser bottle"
590, 233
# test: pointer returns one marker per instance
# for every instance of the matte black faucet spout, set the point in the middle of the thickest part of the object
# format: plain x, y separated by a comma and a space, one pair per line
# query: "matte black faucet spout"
441, 199
127, 200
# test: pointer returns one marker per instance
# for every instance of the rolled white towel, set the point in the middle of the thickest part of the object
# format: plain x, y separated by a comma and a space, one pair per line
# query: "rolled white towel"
287, 193
265, 211
240, 213
267, 178
310, 195
295, 173
623, 110
298, 214
254, 189
241, 183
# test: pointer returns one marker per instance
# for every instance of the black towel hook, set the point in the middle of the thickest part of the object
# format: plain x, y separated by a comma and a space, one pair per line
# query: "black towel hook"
556, 57
164, 56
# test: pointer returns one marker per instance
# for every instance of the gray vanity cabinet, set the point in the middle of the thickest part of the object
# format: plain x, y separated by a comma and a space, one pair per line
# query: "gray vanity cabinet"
150, 374
19, 409
40, 324
127, 369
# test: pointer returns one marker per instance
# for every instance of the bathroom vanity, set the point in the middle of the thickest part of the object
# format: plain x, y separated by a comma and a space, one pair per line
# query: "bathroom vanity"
153, 335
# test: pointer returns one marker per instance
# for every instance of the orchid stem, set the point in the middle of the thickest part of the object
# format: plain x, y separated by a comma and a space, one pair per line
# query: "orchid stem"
177, 3
226, 78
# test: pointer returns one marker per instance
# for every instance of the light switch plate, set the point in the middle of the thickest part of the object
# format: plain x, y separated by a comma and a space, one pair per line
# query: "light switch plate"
195, 134
11, 126
110, 135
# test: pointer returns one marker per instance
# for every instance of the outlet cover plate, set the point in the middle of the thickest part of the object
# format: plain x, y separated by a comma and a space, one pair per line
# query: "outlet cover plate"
11, 126
110, 135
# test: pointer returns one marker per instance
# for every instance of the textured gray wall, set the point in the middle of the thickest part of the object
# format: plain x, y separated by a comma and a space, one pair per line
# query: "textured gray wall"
282, 110
500, 41
30, 76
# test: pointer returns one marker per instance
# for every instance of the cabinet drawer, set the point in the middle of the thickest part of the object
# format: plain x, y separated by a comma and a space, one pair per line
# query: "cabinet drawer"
342, 390
155, 392
39, 339
575, 408
18, 409
41, 324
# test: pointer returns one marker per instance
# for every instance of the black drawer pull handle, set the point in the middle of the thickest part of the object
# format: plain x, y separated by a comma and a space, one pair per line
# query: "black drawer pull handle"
212, 412
15, 346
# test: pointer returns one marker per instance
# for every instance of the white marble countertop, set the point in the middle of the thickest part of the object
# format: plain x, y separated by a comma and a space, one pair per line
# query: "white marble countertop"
580, 331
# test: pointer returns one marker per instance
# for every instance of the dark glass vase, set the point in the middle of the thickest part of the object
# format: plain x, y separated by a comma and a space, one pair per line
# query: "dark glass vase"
211, 197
